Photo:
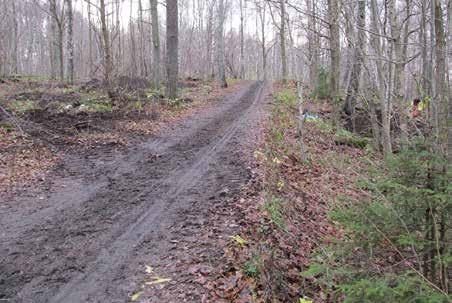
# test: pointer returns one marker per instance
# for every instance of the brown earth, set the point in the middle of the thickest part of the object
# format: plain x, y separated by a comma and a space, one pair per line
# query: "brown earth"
113, 226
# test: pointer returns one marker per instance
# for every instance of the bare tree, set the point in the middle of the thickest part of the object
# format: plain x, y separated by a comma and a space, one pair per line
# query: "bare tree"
15, 41
220, 44
172, 42
70, 42
155, 43
353, 85
334, 38
58, 32
282, 39
242, 55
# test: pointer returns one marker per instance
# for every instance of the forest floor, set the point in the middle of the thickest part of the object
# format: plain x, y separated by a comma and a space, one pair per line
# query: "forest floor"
206, 201
115, 203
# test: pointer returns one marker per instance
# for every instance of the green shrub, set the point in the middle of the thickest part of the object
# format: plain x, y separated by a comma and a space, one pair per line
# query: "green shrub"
21, 106
395, 247
274, 207
322, 89
286, 97
344, 137
251, 267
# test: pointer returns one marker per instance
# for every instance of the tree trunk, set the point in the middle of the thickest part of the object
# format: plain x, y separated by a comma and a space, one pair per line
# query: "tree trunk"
401, 57
15, 39
353, 86
155, 43
449, 119
60, 30
172, 62
384, 99
333, 15
220, 45
440, 97
313, 45
51, 34
70, 42
108, 68
282, 37
143, 64
242, 55
90, 34
261, 13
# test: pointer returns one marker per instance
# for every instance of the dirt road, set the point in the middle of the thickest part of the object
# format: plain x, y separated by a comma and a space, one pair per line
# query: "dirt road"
88, 237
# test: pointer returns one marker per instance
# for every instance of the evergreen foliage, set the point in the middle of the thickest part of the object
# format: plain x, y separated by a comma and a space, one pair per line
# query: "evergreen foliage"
396, 242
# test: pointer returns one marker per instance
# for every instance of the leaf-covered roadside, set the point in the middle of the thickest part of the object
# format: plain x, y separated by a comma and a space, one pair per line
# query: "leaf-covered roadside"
286, 208
342, 226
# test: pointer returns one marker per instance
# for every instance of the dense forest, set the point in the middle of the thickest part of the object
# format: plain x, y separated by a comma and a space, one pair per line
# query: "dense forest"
371, 76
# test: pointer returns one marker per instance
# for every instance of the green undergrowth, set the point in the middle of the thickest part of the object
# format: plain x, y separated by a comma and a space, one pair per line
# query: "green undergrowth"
395, 246
394, 219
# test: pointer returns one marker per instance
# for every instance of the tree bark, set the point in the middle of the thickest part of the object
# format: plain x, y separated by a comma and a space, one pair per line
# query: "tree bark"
334, 36
155, 43
220, 45
353, 86
70, 42
384, 99
449, 119
242, 54
440, 97
15, 59
108, 67
313, 45
172, 62
282, 38
90, 42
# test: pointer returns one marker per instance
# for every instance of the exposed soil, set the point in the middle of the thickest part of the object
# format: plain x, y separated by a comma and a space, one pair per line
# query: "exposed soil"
107, 216
42, 121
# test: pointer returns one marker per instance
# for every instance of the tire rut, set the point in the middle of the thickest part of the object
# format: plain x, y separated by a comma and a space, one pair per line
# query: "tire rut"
76, 252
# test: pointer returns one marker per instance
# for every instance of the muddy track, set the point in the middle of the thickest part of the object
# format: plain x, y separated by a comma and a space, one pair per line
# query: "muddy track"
79, 242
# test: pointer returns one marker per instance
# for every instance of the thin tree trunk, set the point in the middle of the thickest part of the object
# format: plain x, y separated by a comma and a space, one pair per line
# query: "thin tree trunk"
333, 15
90, 42
15, 39
155, 43
440, 98
220, 45
172, 29
108, 68
60, 31
313, 45
242, 55
449, 119
70, 42
143, 65
209, 40
353, 86
384, 101
400, 74
282, 38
